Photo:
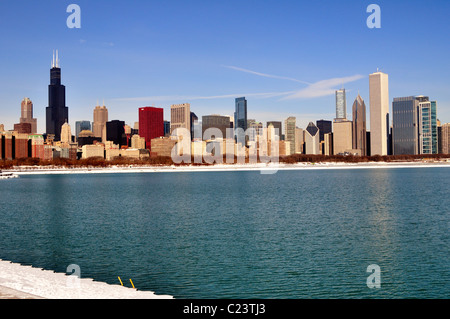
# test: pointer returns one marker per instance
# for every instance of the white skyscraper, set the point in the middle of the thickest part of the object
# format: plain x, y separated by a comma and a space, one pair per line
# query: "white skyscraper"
66, 133
341, 104
379, 113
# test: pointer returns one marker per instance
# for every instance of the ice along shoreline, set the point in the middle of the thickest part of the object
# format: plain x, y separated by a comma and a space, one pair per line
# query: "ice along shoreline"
269, 168
26, 282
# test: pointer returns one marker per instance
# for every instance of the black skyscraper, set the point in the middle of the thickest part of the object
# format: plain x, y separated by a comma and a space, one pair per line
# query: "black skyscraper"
115, 132
324, 128
57, 113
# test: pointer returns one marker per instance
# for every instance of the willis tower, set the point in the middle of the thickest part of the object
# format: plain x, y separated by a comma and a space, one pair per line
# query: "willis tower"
57, 113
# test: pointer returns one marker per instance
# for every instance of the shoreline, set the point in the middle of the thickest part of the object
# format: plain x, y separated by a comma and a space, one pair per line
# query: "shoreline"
19, 281
267, 168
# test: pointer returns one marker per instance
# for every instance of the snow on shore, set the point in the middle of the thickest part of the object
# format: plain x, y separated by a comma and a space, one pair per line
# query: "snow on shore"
50, 285
264, 168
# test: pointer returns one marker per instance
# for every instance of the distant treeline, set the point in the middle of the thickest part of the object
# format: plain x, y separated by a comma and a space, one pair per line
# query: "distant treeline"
300, 158
88, 162
167, 161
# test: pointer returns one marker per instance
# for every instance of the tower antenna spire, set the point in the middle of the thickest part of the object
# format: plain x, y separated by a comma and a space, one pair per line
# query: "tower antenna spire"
57, 60
53, 59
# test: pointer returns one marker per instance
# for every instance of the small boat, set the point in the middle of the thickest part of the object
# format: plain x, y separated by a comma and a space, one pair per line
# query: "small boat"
7, 175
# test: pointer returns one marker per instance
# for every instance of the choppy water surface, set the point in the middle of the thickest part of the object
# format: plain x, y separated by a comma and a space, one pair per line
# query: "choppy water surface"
293, 234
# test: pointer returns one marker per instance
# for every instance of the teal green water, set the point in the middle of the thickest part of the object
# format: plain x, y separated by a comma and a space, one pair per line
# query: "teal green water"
293, 234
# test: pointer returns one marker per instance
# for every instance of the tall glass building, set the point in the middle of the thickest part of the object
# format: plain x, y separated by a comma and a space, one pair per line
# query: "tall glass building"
166, 128
428, 142
82, 126
434, 128
341, 104
240, 114
405, 133
414, 126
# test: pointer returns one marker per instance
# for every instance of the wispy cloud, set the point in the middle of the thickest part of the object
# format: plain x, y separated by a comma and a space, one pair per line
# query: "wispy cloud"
312, 90
264, 74
322, 88
162, 98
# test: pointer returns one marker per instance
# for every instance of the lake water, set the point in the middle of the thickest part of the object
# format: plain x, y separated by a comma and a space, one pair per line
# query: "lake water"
293, 234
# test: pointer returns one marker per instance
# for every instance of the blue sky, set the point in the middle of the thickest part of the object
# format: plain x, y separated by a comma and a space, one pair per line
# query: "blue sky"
286, 57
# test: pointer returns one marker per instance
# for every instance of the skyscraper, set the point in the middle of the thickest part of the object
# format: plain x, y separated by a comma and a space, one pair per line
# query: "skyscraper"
24, 128
57, 113
414, 125
166, 128
277, 126
66, 133
82, 126
445, 138
341, 104
240, 114
151, 123
312, 143
256, 130
216, 121
427, 126
99, 124
328, 144
299, 140
180, 116
115, 132
434, 126
379, 112
359, 125
289, 126
342, 137
193, 124
405, 132
324, 127
26, 110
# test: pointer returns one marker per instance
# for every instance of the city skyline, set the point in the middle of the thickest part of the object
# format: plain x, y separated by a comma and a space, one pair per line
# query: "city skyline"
101, 63
181, 116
